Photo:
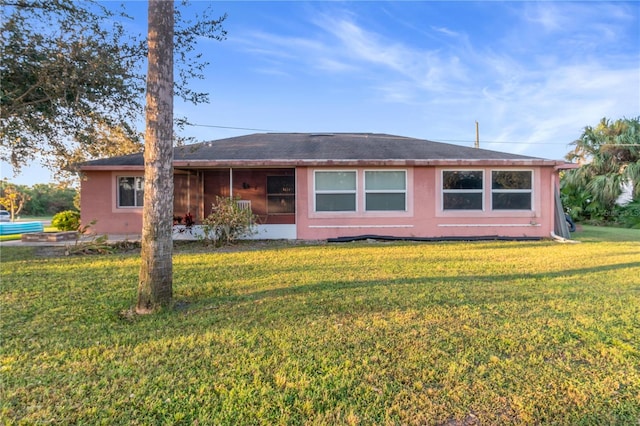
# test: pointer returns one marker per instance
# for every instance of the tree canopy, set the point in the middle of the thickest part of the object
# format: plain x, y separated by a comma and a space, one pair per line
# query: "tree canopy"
609, 158
73, 79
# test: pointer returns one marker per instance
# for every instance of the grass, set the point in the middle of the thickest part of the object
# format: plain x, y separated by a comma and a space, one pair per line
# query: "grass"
29, 218
606, 233
359, 333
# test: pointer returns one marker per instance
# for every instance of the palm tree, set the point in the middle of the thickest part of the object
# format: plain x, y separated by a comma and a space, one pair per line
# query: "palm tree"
609, 155
155, 287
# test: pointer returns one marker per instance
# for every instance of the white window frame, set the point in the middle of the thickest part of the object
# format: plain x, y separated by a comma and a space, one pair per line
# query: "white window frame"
513, 191
462, 191
338, 191
385, 191
137, 186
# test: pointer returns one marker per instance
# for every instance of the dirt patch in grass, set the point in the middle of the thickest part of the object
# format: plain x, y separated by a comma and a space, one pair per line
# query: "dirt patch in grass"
49, 251
179, 247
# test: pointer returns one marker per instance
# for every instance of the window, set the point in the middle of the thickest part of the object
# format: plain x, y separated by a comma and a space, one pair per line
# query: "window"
385, 190
335, 191
511, 190
281, 197
462, 189
130, 191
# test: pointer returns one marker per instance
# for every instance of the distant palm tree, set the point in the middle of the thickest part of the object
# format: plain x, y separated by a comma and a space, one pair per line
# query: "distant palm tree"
609, 158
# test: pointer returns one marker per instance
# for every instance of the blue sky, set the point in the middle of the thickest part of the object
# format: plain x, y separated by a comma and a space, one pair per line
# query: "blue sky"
533, 74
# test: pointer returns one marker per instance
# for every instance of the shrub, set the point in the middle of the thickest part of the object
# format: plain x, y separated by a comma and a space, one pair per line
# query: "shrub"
67, 220
629, 215
227, 222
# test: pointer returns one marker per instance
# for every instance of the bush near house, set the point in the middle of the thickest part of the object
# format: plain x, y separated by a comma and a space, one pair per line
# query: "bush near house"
68, 220
629, 215
357, 333
227, 222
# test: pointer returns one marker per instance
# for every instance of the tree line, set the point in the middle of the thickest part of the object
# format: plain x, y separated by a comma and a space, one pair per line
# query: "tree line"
42, 199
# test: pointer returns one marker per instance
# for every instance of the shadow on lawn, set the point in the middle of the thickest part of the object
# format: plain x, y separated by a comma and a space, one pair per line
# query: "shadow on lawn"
479, 290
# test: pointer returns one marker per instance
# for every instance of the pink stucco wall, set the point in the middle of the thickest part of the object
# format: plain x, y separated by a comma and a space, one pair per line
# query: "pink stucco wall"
424, 216
98, 195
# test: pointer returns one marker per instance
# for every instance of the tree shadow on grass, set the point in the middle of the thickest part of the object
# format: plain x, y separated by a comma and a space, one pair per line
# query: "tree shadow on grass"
316, 290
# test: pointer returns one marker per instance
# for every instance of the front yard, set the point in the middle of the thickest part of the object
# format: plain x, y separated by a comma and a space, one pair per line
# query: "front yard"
357, 333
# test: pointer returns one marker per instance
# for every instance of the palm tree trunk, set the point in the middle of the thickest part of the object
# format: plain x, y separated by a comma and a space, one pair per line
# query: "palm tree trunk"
156, 270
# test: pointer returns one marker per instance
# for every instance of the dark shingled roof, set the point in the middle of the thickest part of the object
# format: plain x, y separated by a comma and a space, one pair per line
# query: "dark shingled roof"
318, 147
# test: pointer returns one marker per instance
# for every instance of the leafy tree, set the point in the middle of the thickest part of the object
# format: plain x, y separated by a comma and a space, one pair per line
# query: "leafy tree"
66, 75
609, 158
12, 199
49, 199
156, 270
72, 81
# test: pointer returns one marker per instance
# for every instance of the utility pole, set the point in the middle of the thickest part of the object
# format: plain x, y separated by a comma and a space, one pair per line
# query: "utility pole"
477, 135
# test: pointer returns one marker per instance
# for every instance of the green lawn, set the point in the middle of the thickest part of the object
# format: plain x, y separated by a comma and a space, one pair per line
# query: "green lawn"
358, 333
606, 233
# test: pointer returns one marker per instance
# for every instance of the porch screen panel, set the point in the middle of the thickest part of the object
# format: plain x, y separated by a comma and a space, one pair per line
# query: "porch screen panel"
385, 190
281, 197
335, 191
462, 189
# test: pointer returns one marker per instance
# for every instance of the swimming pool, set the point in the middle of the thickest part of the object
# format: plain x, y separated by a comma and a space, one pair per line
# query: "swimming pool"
11, 228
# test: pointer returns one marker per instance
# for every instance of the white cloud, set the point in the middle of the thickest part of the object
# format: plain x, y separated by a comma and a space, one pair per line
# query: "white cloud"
546, 17
426, 69
446, 31
334, 65
522, 84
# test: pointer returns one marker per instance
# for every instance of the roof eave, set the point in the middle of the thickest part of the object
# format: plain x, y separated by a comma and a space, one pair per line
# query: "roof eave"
563, 165
110, 167
533, 162
366, 163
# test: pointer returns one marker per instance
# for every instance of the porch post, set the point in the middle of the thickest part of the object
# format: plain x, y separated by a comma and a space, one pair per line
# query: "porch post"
200, 178
231, 182
188, 191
